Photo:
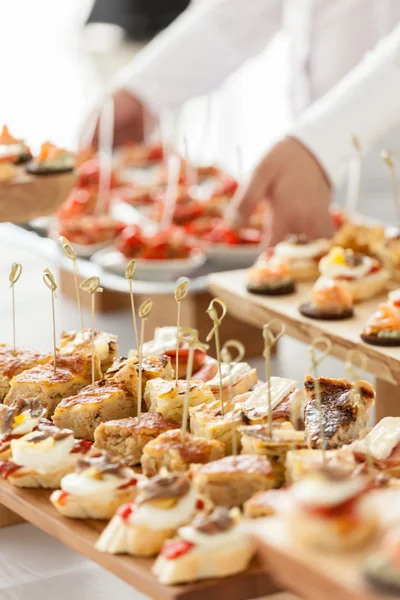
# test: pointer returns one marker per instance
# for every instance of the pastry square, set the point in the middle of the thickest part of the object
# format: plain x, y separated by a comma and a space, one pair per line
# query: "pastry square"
237, 378
169, 451
344, 411
93, 405
256, 440
127, 437
166, 397
153, 367
300, 463
207, 420
13, 362
106, 345
73, 373
232, 480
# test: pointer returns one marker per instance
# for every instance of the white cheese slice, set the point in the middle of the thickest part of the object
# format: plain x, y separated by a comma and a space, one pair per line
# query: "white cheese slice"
231, 374
381, 440
258, 400
317, 491
164, 340
294, 251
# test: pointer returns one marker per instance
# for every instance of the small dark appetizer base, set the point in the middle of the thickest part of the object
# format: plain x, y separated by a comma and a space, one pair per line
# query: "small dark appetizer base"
282, 290
35, 169
309, 310
374, 340
23, 158
382, 576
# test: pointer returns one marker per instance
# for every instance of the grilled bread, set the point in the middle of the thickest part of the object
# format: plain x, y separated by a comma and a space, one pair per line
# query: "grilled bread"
207, 421
300, 463
166, 397
237, 378
256, 440
232, 480
73, 372
106, 345
13, 362
344, 410
169, 451
153, 367
127, 437
266, 504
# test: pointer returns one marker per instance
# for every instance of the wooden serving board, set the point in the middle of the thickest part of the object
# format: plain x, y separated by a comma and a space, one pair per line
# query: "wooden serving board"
311, 573
257, 310
30, 196
81, 536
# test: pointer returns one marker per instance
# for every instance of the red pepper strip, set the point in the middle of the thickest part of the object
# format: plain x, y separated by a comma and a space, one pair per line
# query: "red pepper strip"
176, 548
133, 481
81, 447
8, 468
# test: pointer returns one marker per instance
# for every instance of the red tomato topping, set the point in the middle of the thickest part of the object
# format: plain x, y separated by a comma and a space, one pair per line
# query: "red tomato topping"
125, 510
62, 496
81, 447
89, 175
133, 481
8, 468
200, 504
375, 269
176, 548
155, 152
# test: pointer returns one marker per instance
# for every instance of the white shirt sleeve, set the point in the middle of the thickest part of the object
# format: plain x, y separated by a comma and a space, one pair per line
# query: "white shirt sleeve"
210, 40
366, 103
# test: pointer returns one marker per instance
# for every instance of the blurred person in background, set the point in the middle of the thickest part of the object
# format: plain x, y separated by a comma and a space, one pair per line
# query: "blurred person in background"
328, 38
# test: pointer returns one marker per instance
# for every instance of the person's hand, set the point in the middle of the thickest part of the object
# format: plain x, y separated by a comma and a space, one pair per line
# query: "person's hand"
128, 120
295, 185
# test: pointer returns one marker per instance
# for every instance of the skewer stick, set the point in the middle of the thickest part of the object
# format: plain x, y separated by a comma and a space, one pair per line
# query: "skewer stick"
355, 176
354, 376
50, 282
144, 311
239, 163
191, 170
326, 345
389, 159
70, 253
226, 356
270, 340
173, 170
15, 274
191, 337
106, 140
92, 286
129, 274
217, 320
181, 291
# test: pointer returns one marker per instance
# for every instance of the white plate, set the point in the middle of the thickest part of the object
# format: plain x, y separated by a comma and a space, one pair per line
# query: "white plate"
149, 270
83, 251
233, 257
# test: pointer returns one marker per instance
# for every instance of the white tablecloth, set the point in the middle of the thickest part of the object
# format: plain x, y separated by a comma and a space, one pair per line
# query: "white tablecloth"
35, 566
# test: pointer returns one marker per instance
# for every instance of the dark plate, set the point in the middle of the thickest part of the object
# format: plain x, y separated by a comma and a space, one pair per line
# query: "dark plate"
35, 169
283, 290
377, 341
308, 310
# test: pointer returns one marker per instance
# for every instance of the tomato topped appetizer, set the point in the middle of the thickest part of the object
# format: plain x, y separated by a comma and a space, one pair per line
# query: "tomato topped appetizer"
221, 233
51, 160
170, 243
13, 149
91, 229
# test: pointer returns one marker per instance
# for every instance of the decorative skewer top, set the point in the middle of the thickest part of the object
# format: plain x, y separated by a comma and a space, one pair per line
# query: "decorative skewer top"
270, 338
212, 313
68, 250
15, 273
182, 290
91, 285
145, 309
131, 269
49, 280
226, 355
324, 345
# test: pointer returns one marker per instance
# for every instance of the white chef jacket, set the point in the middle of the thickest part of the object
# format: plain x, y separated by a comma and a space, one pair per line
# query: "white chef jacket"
328, 38
212, 38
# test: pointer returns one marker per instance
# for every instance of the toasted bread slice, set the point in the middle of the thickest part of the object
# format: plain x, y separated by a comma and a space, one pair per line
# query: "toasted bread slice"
166, 397
13, 362
106, 345
127, 437
73, 372
344, 410
169, 451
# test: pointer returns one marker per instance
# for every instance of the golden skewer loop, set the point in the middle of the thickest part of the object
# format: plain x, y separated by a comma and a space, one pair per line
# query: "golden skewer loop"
144, 312
226, 355
15, 274
324, 345
181, 291
92, 286
129, 274
70, 253
217, 320
270, 339
50, 282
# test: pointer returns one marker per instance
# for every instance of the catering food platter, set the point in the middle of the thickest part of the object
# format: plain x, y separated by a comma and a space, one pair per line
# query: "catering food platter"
34, 506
